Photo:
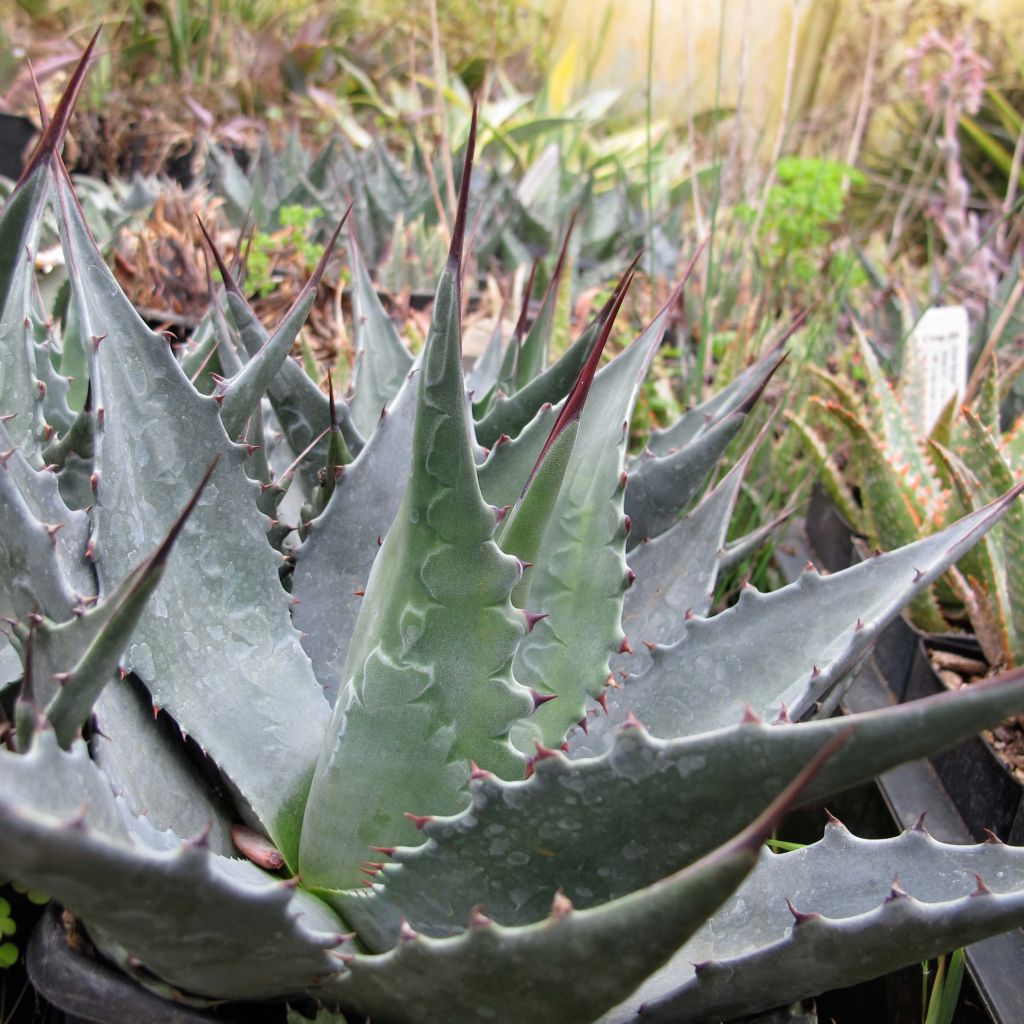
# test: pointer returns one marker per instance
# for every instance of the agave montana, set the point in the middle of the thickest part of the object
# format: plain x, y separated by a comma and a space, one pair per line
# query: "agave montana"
461, 795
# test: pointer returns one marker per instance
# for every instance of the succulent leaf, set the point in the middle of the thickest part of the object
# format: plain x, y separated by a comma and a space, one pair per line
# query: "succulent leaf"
737, 395
511, 459
220, 686
64, 833
533, 353
522, 530
798, 642
542, 971
42, 546
509, 415
661, 485
333, 565
427, 684
864, 906
567, 652
382, 362
20, 391
578, 824
92, 643
893, 516
240, 396
676, 572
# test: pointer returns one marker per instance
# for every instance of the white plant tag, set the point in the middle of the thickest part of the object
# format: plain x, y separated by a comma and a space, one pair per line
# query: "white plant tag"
936, 366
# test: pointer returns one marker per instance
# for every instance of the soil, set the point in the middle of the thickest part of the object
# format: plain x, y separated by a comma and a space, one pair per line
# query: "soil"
1007, 739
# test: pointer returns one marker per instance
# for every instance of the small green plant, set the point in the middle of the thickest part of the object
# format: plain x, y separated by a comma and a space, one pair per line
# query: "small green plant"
291, 242
940, 1004
8, 927
797, 222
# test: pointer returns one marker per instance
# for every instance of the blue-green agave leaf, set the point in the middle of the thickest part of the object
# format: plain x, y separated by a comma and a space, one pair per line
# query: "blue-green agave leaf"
543, 971
577, 825
798, 642
856, 907
216, 648
427, 686
333, 564
63, 832
382, 361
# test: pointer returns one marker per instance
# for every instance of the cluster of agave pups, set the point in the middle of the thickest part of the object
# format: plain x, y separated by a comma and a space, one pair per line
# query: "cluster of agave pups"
911, 479
461, 796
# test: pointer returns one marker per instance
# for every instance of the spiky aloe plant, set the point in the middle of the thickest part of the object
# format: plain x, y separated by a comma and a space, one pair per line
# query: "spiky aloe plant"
910, 482
406, 860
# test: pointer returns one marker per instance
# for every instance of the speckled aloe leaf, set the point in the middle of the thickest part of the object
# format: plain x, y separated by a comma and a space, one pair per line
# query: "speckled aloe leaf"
427, 685
508, 415
544, 971
797, 644
216, 648
860, 907
979, 578
699, 419
660, 486
333, 565
239, 396
382, 361
894, 425
578, 824
995, 475
42, 544
893, 518
64, 833
567, 652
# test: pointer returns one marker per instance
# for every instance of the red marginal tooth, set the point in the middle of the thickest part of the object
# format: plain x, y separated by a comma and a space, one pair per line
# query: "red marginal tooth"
602, 699
543, 753
532, 618
584, 725
476, 772
358, 593
751, 716
388, 851
539, 698
624, 647
419, 820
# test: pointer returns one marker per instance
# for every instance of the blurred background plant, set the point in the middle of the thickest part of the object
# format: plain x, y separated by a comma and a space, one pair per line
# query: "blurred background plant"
849, 165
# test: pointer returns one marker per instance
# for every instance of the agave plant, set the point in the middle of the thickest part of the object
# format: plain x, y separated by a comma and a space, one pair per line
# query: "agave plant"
459, 794
901, 481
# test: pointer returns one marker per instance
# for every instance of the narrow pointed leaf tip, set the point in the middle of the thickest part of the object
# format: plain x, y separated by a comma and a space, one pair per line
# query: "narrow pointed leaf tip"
459, 229
55, 131
573, 408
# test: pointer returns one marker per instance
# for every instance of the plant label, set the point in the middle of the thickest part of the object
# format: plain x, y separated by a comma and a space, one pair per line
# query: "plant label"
938, 360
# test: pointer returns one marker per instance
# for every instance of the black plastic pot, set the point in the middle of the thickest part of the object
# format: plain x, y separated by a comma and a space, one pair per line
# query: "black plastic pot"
90, 991
15, 134
966, 790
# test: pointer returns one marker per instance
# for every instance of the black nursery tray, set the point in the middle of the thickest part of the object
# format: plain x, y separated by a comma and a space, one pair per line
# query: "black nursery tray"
966, 790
